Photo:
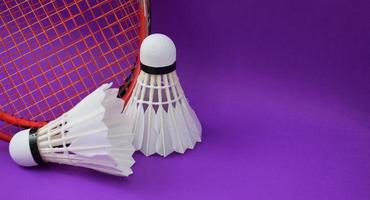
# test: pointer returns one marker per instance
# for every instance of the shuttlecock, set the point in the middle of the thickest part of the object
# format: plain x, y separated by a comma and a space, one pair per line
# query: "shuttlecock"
93, 135
161, 117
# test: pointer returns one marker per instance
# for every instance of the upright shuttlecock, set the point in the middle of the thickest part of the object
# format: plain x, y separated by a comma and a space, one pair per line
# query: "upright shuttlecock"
160, 115
93, 135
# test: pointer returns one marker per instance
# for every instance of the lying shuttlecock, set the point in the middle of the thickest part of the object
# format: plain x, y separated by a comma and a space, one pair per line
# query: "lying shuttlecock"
160, 115
93, 135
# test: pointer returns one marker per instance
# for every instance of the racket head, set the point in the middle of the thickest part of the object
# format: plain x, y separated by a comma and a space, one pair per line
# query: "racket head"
54, 53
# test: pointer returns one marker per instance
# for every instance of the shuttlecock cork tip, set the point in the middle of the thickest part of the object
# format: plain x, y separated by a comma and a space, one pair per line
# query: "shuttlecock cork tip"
20, 151
158, 54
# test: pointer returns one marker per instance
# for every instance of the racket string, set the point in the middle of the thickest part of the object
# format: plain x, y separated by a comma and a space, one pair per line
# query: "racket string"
57, 66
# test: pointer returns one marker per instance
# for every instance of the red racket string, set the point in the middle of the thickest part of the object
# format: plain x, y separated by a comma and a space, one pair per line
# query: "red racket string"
108, 55
84, 64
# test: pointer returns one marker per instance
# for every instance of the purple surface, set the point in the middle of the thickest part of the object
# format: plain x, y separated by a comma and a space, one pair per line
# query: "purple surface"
282, 89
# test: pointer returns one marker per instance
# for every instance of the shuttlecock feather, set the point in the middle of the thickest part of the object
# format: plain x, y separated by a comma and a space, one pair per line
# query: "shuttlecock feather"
93, 134
161, 118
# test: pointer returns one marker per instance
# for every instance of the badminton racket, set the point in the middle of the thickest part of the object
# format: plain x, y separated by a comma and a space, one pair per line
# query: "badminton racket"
54, 53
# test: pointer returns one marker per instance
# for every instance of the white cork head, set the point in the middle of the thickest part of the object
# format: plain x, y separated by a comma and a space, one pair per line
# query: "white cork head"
19, 149
157, 50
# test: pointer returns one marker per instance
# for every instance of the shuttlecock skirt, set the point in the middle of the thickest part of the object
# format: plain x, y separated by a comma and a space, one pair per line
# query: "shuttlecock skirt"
93, 134
161, 118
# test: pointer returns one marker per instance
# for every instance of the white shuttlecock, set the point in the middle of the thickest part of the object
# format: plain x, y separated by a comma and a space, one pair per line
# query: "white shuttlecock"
161, 117
93, 135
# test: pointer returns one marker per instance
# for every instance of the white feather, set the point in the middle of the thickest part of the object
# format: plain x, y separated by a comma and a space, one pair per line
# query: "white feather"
161, 119
94, 134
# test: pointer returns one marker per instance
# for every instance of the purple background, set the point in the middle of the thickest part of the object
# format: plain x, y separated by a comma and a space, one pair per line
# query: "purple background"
283, 92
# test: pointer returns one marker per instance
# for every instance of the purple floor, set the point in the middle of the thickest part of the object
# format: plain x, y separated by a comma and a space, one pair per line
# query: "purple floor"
282, 89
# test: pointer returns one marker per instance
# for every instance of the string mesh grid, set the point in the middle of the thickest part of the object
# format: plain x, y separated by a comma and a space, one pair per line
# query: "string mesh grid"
54, 53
